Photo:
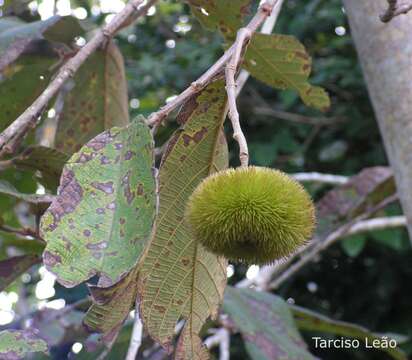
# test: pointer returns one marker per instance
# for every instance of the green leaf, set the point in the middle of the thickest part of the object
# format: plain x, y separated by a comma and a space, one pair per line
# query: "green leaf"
104, 212
64, 30
97, 102
17, 36
353, 245
48, 161
179, 278
392, 238
25, 246
281, 61
21, 83
225, 16
266, 325
17, 344
12, 268
363, 191
312, 321
277, 60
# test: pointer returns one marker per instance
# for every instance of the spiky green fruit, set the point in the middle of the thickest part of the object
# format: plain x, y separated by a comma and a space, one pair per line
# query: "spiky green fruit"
253, 214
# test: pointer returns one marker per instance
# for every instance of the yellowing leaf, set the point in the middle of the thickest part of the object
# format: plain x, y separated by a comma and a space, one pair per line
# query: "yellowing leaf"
98, 100
104, 211
179, 278
281, 61
112, 305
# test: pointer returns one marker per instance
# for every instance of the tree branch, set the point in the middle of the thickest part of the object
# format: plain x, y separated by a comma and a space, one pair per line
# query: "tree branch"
297, 118
377, 224
29, 118
394, 9
266, 273
108, 348
220, 337
22, 233
321, 245
321, 178
156, 118
137, 334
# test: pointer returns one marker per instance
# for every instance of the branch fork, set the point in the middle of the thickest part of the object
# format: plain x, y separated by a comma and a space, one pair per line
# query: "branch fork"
198, 85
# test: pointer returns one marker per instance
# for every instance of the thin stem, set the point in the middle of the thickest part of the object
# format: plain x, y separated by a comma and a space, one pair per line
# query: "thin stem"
298, 118
108, 348
321, 178
283, 269
24, 233
331, 239
137, 334
267, 28
232, 66
221, 338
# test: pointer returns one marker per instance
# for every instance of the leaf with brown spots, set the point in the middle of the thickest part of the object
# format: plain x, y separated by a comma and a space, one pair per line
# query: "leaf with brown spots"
12, 268
104, 211
112, 305
281, 61
179, 278
225, 16
18, 344
97, 101
266, 325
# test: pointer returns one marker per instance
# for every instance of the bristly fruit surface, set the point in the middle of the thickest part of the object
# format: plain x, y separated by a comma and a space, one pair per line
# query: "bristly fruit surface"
253, 214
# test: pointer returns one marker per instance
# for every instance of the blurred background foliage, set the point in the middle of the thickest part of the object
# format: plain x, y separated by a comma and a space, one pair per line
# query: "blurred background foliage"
364, 279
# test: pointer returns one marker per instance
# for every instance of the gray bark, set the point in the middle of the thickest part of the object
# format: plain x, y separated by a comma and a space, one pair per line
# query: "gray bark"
385, 52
